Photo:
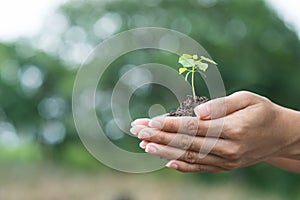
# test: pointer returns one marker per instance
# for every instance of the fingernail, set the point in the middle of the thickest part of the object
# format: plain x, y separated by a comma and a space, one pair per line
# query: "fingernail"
150, 149
202, 111
156, 123
143, 144
136, 129
147, 133
172, 165
139, 121
144, 135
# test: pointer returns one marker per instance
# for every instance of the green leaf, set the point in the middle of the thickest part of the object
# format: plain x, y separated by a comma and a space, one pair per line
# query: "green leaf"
202, 66
208, 60
187, 56
186, 62
182, 70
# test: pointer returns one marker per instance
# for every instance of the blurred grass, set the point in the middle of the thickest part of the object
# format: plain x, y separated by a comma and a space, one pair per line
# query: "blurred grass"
49, 182
76, 175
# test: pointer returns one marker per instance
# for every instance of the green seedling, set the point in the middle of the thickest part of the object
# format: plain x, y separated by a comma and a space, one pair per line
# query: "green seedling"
192, 64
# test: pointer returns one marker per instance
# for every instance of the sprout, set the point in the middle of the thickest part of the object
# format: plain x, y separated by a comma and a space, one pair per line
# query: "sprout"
191, 64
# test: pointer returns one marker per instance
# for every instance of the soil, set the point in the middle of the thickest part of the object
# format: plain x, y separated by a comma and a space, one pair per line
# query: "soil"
186, 108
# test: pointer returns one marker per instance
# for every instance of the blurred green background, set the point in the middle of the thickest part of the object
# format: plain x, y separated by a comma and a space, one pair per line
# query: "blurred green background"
41, 156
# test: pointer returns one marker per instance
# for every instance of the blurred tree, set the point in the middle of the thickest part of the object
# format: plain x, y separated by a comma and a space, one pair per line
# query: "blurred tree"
254, 49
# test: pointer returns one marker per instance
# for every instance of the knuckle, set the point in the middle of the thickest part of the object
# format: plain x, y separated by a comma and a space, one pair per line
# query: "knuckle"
185, 141
236, 132
200, 168
171, 124
245, 93
233, 153
160, 137
192, 126
266, 100
230, 165
194, 145
190, 157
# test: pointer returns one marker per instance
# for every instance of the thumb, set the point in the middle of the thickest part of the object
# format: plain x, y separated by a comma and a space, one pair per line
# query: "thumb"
221, 107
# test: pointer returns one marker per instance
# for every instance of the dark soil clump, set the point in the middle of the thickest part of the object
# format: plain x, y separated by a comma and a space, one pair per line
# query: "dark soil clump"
186, 108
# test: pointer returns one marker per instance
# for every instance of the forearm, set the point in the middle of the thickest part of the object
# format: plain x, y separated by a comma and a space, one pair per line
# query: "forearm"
290, 121
289, 157
286, 164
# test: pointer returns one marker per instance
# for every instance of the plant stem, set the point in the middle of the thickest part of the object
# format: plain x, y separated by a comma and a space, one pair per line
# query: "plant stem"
193, 84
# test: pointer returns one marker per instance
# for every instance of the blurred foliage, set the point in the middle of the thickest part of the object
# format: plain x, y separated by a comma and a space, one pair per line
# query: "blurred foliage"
253, 47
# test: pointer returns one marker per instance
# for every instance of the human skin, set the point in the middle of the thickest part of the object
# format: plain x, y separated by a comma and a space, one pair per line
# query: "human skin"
252, 129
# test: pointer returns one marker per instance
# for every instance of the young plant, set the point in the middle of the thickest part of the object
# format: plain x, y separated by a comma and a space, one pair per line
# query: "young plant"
192, 64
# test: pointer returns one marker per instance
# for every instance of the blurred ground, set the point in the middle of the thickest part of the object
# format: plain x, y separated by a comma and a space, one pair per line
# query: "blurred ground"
47, 183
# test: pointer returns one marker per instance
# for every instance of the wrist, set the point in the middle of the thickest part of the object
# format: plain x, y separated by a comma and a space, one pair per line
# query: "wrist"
289, 128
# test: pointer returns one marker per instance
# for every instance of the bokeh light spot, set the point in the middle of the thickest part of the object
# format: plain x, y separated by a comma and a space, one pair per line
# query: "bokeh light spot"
76, 34
53, 132
107, 25
182, 24
112, 130
52, 107
155, 110
236, 29
8, 135
137, 77
31, 78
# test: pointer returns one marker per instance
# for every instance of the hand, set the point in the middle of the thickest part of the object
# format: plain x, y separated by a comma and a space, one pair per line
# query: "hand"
253, 129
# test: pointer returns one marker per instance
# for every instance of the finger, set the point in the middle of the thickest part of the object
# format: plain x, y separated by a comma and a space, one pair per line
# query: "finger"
171, 153
145, 121
187, 167
136, 129
141, 121
143, 144
221, 107
184, 142
188, 125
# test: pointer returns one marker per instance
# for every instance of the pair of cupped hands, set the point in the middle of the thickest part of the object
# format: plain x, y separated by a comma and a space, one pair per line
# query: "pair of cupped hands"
250, 130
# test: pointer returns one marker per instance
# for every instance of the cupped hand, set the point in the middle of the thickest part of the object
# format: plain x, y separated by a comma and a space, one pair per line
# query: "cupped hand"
250, 131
